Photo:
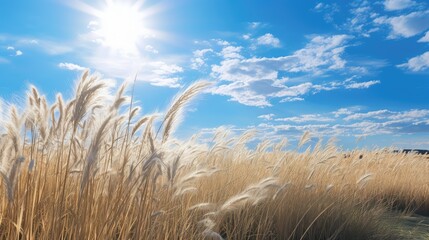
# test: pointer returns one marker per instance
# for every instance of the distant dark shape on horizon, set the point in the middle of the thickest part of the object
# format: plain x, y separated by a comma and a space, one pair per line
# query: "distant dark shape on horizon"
418, 151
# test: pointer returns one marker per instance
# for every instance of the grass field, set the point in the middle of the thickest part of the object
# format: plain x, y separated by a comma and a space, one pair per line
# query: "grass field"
93, 167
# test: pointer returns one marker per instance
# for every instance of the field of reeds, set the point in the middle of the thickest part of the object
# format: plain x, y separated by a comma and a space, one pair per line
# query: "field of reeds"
94, 167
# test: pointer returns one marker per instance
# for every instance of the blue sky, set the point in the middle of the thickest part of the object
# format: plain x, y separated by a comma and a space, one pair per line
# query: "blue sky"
349, 69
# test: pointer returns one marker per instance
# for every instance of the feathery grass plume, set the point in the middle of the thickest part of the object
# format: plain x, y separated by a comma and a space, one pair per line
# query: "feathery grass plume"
280, 145
364, 179
148, 135
235, 202
173, 167
318, 147
172, 116
94, 150
304, 139
263, 146
86, 96
138, 124
185, 181
119, 98
246, 137
10, 177
202, 206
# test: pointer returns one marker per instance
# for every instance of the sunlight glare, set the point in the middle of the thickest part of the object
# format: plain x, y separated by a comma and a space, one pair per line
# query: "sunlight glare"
121, 26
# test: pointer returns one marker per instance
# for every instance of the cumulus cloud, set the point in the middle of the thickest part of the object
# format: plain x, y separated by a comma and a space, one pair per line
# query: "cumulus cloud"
231, 52
255, 81
18, 53
70, 66
392, 5
198, 59
268, 40
418, 63
406, 25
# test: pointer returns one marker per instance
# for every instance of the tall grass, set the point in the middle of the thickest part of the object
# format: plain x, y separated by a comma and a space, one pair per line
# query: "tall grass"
93, 167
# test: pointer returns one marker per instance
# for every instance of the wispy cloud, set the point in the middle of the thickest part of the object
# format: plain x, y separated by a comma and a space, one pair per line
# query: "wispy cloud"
418, 63
362, 85
348, 122
306, 118
393, 5
267, 117
291, 99
425, 38
3, 60
47, 46
70, 66
151, 49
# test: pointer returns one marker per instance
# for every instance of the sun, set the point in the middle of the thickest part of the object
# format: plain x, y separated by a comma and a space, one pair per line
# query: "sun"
121, 25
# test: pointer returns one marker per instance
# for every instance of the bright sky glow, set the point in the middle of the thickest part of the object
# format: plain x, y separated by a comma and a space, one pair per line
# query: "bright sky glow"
121, 26
355, 70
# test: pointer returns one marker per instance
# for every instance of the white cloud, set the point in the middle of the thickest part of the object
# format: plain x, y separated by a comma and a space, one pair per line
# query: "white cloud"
357, 124
255, 25
345, 111
318, 6
362, 85
294, 91
306, 118
320, 54
151, 49
416, 64
379, 114
269, 40
267, 117
254, 81
425, 38
16, 52
70, 66
411, 114
242, 93
392, 5
292, 99
231, 52
361, 20
406, 25
199, 60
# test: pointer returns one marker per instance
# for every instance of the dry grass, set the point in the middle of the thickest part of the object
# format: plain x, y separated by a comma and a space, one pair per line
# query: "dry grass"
93, 168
